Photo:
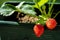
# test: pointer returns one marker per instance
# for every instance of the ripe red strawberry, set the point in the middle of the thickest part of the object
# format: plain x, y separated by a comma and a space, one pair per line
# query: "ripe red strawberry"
51, 23
38, 30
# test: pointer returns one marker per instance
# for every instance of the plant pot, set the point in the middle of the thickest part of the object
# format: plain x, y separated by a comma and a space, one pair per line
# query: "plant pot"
12, 30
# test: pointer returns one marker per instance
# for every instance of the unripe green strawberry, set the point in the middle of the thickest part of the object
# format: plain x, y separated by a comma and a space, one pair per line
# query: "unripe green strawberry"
38, 30
51, 23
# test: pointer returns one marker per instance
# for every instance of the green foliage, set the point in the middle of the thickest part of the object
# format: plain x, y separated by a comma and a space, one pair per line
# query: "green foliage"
40, 3
11, 6
42, 7
50, 8
41, 21
2, 1
9, 9
6, 10
28, 9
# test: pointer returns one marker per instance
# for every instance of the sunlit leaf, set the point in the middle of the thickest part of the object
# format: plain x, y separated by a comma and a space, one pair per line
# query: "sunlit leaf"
6, 12
40, 3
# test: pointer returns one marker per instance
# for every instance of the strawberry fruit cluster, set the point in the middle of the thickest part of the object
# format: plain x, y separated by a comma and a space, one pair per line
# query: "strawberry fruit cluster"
45, 18
39, 29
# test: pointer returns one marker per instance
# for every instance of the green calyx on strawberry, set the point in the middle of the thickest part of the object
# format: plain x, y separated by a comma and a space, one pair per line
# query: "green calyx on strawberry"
38, 30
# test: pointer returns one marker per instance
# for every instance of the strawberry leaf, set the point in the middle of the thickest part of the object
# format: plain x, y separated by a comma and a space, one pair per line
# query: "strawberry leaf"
28, 9
7, 10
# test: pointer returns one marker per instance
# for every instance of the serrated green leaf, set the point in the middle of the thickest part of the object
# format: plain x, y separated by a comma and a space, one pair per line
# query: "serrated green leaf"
28, 9
6, 12
8, 6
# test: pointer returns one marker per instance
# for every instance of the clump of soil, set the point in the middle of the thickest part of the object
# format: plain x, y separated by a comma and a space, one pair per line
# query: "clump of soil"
23, 18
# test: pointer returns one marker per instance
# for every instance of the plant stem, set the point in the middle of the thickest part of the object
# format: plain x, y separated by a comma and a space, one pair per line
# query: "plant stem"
38, 6
56, 14
51, 12
50, 8
44, 9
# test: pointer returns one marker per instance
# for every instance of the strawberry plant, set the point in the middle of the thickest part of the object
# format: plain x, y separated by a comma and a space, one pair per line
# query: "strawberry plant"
44, 19
46, 16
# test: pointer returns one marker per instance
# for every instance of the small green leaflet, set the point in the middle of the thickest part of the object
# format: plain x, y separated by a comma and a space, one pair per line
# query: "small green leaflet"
40, 3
